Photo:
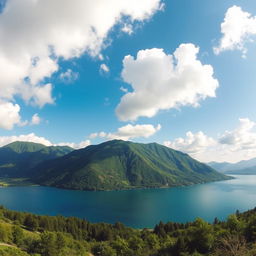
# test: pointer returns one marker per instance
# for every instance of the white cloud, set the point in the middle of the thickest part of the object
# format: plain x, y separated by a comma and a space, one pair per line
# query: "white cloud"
35, 119
102, 134
79, 145
104, 68
9, 115
161, 81
4, 140
123, 89
93, 135
69, 76
38, 95
232, 146
237, 28
129, 131
242, 138
194, 143
127, 28
100, 57
35, 35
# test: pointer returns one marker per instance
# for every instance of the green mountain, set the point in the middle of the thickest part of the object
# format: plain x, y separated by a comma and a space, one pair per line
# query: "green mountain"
17, 158
23, 147
123, 165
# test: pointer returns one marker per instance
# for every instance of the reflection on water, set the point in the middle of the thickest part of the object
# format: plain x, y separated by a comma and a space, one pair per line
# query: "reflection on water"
138, 208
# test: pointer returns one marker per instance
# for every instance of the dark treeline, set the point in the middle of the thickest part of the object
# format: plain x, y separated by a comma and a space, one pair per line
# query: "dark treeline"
28, 234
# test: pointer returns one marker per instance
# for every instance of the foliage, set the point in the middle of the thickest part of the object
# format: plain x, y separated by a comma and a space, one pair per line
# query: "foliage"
121, 164
23, 234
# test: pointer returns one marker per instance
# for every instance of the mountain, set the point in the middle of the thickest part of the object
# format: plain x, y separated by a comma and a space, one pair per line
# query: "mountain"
220, 166
17, 158
123, 165
242, 167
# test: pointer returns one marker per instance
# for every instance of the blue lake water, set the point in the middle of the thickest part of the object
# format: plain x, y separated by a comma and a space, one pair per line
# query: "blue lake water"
138, 208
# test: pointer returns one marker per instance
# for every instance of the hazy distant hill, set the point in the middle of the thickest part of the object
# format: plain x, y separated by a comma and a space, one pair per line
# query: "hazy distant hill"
17, 158
242, 167
123, 165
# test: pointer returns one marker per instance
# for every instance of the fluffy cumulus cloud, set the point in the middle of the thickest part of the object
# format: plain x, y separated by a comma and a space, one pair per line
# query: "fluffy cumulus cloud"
129, 131
35, 35
9, 115
194, 143
242, 138
162, 81
79, 145
237, 28
35, 119
231, 146
4, 140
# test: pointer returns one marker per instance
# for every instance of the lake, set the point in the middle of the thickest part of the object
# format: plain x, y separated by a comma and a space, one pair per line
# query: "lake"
138, 208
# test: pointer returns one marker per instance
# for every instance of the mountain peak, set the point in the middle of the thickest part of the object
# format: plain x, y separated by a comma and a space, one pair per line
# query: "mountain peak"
24, 146
119, 164
17, 158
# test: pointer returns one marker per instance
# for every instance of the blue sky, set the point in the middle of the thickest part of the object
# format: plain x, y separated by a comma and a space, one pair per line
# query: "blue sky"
83, 98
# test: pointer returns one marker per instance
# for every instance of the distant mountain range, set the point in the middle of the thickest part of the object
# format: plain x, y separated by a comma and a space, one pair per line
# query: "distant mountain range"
111, 165
123, 165
242, 167
17, 158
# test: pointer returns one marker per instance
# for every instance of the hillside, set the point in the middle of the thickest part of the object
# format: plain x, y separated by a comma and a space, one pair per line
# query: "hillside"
243, 167
24, 234
123, 165
17, 158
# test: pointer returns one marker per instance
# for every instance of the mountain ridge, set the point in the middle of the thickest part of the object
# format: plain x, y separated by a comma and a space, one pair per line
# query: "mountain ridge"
17, 158
121, 164
246, 167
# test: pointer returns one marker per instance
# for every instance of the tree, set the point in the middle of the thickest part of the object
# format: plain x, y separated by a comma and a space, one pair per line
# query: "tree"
60, 241
5, 234
122, 248
201, 236
231, 245
179, 247
233, 224
31, 222
103, 249
216, 221
136, 244
152, 241
48, 244
17, 235
160, 229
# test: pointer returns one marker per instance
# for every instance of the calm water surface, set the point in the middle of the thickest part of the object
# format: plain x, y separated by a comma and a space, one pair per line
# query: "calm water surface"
138, 208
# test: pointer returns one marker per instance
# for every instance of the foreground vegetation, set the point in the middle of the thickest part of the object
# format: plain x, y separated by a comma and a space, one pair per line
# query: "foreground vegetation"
23, 234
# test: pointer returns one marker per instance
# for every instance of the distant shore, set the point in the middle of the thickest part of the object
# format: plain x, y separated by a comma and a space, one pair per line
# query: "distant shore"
15, 182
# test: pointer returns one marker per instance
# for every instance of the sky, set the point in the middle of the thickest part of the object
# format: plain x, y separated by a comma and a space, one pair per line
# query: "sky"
177, 72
